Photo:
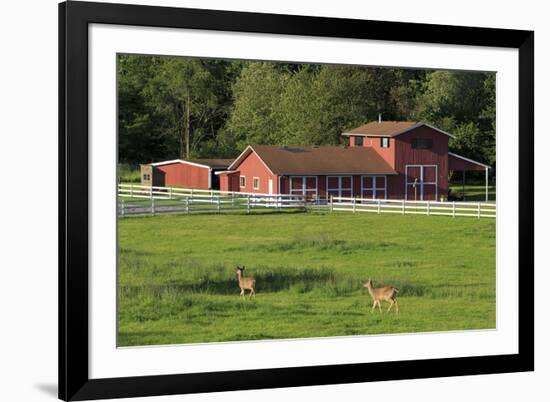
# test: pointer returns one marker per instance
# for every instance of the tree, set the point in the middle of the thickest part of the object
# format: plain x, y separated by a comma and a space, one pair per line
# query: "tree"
173, 107
184, 89
256, 94
463, 104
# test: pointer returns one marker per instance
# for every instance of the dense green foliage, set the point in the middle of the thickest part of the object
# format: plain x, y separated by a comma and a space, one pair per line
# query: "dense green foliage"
177, 281
173, 107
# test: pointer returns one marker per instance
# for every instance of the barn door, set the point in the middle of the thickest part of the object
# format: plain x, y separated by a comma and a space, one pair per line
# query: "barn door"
429, 183
421, 182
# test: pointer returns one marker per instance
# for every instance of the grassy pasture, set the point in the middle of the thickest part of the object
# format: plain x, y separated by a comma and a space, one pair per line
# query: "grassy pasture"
177, 281
474, 192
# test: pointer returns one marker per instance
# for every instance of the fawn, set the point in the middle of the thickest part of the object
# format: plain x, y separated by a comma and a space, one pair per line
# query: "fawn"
388, 293
246, 283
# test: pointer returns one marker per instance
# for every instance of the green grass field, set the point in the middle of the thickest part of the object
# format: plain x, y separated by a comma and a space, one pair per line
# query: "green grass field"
177, 281
473, 192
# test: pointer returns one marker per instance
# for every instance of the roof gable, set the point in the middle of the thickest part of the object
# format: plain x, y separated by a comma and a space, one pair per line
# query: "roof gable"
389, 129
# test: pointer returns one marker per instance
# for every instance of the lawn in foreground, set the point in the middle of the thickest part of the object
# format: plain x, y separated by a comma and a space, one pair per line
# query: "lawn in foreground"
177, 281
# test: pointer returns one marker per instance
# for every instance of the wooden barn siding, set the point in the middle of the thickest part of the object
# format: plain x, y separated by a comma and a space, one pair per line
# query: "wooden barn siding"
460, 164
252, 166
406, 155
185, 175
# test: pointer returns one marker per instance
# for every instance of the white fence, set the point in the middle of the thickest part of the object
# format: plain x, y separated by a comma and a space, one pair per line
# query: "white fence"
449, 208
141, 200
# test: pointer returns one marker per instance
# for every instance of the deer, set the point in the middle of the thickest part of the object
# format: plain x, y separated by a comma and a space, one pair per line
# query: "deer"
246, 283
388, 293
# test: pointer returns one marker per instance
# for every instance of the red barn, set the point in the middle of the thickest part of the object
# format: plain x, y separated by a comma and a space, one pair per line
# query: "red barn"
198, 173
396, 160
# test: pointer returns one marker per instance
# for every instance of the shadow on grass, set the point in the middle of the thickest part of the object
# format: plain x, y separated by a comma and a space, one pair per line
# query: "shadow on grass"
270, 280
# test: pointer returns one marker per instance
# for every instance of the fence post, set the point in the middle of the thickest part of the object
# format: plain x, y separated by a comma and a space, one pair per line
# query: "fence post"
428, 208
331, 206
122, 204
403, 206
131, 190
454, 209
354, 202
218, 203
187, 205
248, 203
170, 192
479, 209
379, 204
152, 206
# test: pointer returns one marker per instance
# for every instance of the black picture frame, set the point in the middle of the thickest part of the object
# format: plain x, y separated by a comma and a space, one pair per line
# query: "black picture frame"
74, 381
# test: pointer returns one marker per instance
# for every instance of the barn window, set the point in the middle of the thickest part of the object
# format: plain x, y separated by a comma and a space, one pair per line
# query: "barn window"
242, 181
384, 142
256, 183
373, 187
422, 143
358, 141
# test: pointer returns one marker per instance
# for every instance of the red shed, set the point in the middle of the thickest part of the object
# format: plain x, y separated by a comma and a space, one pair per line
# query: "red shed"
198, 173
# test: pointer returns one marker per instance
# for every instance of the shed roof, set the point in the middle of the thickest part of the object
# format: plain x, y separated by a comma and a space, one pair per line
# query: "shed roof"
388, 128
206, 163
214, 163
318, 160
459, 162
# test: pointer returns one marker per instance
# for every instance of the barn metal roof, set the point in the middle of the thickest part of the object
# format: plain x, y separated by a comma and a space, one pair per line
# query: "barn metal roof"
214, 163
467, 161
318, 160
206, 163
388, 128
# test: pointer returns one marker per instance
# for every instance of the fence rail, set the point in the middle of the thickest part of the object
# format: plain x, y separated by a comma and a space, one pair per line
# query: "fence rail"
404, 207
146, 200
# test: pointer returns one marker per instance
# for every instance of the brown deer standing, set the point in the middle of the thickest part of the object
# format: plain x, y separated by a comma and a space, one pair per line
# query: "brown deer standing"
246, 283
388, 293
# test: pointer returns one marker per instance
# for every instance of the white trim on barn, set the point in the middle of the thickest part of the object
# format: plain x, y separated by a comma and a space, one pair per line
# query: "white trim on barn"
254, 187
225, 172
243, 181
174, 161
170, 162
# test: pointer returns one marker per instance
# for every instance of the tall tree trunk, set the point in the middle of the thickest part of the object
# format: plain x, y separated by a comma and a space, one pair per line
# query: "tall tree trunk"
182, 135
187, 127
